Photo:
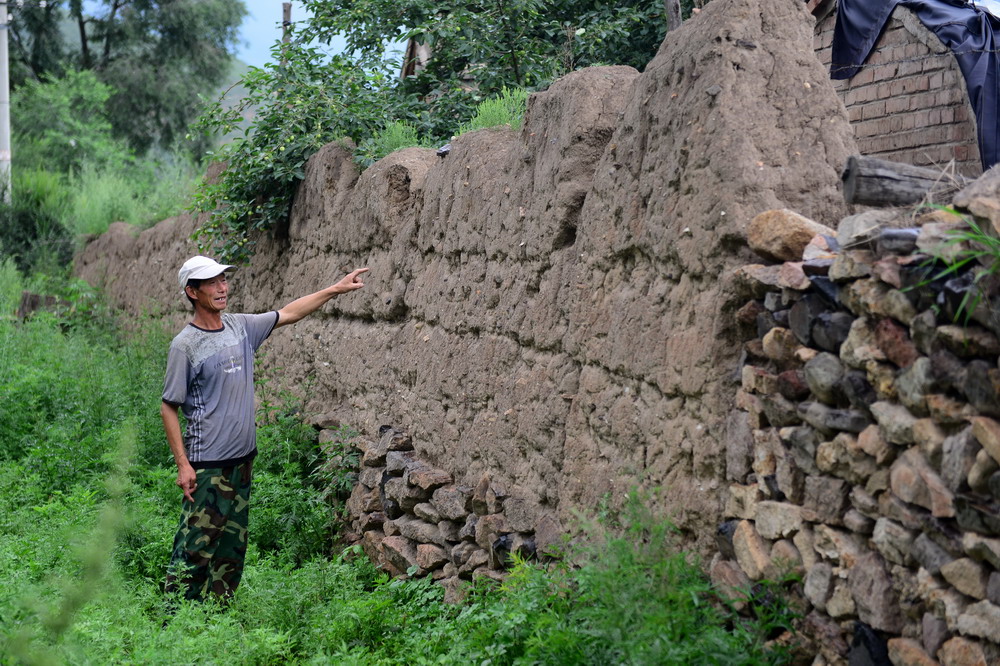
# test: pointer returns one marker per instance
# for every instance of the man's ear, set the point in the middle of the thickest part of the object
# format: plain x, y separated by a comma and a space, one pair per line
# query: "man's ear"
190, 292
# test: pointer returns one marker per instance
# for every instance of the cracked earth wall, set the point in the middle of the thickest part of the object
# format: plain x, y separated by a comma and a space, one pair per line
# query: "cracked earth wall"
551, 306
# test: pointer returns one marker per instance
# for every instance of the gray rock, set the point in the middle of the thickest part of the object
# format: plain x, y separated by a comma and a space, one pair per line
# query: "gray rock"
851, 265
895, 421
873, 593
914, 383
776, 520
893, 541
831, 330
967, 576
862, 230
981, 471
913, 480
958, 455
521, 515
802, 442
858, 522
923, 332
982, 387
842, 457
984, 549
426, 511
452, 502
418, 530
802, 315
739, 445
826, 498
993, 588
929, 554
818, 585
933, 632
396, 462
897, 241
831, 420
981, 620
823, 374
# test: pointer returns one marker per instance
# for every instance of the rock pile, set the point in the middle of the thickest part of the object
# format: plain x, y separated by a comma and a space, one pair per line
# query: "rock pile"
412, 519
865, 452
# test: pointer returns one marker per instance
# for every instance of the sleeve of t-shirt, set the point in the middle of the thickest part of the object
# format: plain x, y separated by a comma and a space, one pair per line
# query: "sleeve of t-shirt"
175, 385
259, 327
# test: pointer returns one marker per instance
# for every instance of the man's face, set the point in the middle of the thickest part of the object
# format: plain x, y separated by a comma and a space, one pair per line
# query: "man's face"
211, 294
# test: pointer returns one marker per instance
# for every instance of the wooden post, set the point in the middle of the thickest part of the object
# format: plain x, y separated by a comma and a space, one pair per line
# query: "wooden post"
672, 9
870, 181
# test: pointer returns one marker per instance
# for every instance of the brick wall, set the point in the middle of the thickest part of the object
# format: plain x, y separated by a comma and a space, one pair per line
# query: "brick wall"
909, 103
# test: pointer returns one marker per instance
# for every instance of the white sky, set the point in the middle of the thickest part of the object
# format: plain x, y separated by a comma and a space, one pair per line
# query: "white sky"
262, 28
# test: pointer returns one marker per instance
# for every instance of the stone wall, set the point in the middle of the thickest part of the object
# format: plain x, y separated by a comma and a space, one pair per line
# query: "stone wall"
908, 103
872, 435
412, 518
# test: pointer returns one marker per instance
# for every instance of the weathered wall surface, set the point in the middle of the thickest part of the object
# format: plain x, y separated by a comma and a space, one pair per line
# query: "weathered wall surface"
550, 306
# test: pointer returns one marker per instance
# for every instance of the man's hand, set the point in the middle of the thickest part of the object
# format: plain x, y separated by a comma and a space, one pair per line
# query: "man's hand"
187, 481
305, 306
350, 282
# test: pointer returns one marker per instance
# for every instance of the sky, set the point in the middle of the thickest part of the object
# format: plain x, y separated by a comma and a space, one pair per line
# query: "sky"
262, 27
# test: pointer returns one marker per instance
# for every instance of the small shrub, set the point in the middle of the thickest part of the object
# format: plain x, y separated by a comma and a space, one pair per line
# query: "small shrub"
396, 136
507, 108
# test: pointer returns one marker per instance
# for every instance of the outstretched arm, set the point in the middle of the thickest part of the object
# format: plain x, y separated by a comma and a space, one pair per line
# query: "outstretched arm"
305, 306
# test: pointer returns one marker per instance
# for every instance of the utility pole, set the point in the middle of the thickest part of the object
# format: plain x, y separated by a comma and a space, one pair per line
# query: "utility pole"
4, 106
286, 27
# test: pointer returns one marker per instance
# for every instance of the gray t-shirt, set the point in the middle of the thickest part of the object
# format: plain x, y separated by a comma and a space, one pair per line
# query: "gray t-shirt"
210, 377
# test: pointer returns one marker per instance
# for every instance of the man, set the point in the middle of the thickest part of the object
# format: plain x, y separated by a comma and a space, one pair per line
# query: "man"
210, 377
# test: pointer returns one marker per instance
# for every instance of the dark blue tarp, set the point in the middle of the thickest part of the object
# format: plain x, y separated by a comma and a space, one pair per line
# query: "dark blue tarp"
970, 33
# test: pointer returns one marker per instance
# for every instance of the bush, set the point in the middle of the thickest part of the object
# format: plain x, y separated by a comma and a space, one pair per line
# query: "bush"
396, 136
507, 108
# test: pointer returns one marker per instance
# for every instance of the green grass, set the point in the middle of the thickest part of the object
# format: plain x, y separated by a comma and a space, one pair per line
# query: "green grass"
507, 108
396, 136
88, 509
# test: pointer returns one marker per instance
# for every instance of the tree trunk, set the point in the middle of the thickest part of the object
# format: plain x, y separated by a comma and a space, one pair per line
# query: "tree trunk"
672, 8
870, 181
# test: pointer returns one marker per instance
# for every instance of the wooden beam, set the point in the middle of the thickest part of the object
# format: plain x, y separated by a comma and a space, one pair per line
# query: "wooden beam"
870, 181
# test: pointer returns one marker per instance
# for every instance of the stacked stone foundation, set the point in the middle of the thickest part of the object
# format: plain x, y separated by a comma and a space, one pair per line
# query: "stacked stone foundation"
412, 519
864, 449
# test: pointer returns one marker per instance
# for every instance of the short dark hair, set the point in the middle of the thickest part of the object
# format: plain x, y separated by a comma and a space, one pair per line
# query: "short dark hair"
194, 284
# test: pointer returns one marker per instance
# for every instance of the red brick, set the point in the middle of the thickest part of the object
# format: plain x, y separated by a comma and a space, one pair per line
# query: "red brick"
897, 105
873, 110
925, 100
863, 77
961, 153
910, 67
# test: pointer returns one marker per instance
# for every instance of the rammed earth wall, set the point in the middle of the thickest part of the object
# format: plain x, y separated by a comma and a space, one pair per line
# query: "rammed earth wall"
871, 462
549, 306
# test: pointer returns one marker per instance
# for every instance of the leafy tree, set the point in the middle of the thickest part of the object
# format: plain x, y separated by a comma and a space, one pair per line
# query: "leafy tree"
60, 124
478, 49
157, 56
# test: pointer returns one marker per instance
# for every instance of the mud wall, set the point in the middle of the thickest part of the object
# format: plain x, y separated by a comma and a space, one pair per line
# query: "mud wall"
550, 306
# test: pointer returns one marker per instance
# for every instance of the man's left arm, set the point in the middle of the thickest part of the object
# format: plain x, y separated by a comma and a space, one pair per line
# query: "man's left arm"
305, 306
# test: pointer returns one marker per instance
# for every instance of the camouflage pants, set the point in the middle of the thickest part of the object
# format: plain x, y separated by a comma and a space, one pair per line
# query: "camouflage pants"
211, 541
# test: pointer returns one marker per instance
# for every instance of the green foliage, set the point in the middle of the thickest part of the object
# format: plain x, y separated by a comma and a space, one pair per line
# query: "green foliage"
302, 103
307, 99
156, 56
970, 253
396, 136
505, 109
60, 124
31, 231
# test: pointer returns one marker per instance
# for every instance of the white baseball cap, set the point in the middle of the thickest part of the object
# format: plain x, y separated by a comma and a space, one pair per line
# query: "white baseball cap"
200, 268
